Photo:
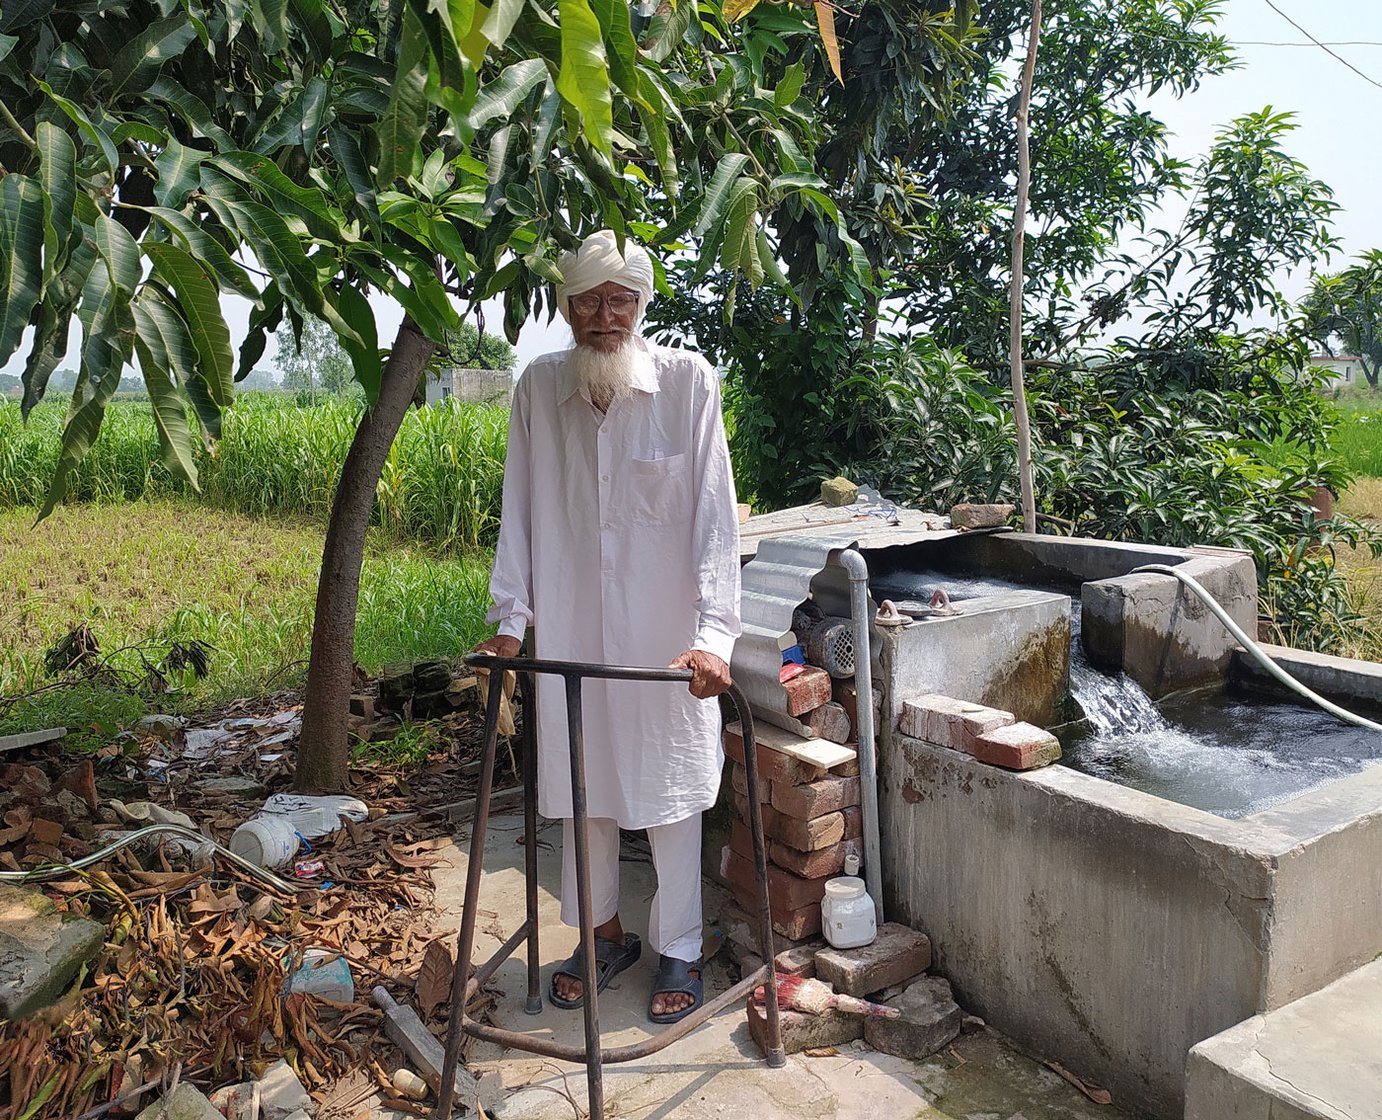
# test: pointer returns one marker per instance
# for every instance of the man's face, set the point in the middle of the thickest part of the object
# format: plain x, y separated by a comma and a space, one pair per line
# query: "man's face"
603, 317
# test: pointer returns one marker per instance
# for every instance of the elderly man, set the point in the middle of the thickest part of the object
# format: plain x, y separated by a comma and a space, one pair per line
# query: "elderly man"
619, 545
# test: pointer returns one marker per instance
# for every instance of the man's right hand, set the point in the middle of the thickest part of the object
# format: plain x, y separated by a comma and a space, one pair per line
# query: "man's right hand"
501, 645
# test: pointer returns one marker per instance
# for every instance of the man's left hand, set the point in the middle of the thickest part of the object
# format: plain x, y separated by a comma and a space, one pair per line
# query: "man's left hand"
709, 674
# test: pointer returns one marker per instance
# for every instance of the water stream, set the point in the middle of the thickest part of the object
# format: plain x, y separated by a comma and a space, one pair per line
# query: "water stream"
1225, 753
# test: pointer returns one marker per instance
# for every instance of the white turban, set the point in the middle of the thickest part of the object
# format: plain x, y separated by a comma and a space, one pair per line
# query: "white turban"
598, 260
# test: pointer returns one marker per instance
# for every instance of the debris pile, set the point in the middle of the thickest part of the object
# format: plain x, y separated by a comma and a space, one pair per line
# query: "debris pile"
204, 976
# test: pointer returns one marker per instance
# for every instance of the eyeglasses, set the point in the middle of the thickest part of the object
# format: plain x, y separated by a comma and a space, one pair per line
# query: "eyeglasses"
588, 303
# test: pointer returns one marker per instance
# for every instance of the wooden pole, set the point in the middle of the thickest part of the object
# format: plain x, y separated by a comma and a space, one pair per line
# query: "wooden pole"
1024, 172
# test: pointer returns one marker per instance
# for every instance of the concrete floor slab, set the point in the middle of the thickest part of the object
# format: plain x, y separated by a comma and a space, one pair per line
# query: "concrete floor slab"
716, 1071
1319, 1057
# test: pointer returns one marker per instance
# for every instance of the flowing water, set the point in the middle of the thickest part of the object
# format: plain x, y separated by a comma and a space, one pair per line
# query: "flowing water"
1228, 754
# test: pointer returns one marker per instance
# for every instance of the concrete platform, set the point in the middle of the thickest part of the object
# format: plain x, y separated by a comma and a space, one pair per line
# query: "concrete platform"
717, 1071
1319, 1057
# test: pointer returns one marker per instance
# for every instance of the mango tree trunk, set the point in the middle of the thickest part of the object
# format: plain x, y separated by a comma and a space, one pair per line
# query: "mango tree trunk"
324, 747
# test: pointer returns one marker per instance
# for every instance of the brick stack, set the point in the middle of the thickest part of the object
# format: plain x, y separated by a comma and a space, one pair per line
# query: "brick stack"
809, 800
990, 735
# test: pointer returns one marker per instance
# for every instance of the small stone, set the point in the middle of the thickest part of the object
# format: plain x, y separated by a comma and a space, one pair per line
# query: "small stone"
186, 1102
897, 953
40, 950
930, 1020
838, 491
431, 676
362, 706
44, 831
81, 781
974, 516
281, 1093
971, 1023
232, 784
801, 1031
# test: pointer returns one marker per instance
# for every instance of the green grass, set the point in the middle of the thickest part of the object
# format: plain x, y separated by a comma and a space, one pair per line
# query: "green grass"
144, 574
440, 487
1358, 439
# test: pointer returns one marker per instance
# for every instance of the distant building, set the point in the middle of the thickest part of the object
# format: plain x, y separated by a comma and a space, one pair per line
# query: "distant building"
1342, 370
487, 386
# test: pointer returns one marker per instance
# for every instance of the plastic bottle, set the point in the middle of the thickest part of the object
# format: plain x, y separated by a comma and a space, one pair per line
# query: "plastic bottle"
852, 859
268, 840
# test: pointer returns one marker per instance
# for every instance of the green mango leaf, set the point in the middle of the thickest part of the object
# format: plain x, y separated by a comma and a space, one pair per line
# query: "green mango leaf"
400, 130
364, 354
351, 160
300, 122
502, 97
499, 154
120, 252
275, 246
623, 51
7, 43
179, 173
57, 175
789, 85
672, 25
192, 110
772, 270
21, 256
583, 80
654, 121
138, 62
21, 13
201, 309
109, 156
109, 330
739, 249
282, 194
499, 23
166, 400
717, 191
195, 238
54, 317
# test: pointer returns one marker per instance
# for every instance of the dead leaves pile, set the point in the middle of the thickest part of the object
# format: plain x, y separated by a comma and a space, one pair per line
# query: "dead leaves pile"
193, 970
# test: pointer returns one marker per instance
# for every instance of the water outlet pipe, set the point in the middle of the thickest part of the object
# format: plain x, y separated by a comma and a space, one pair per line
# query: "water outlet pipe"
853, 563
1258, 653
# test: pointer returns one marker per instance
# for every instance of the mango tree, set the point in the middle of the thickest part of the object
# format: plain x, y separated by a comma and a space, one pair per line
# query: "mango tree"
303, 154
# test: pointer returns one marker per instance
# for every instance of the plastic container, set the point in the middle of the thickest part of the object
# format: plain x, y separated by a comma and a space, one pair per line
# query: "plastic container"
848, 919
268, 841
852, 859
323, 973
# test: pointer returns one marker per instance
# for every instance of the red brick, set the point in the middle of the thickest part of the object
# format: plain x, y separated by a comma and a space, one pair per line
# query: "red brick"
772, 764
976, 720
848, 769
815, 799
741, 839
829, 721
898, 953
800, 1031
788, 891
1020, 746
809, 865
740, 779
741, 811
854, 822
807, 690
846, 694
794, 956
793, 924
806, 836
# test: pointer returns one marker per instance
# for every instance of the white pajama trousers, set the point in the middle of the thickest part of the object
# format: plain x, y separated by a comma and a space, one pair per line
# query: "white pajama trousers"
674, 923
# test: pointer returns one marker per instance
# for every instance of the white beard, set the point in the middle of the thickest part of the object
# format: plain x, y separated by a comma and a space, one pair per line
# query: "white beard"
606, 377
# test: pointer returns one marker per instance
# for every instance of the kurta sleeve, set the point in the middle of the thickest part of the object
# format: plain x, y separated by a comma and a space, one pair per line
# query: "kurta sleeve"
511, 582
715, 529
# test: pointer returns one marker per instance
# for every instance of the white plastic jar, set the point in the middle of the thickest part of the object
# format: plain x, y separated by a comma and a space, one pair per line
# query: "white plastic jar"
848, 919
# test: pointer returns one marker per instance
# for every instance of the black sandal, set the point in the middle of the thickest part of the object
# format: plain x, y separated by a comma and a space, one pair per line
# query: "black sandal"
677, 977
611, 958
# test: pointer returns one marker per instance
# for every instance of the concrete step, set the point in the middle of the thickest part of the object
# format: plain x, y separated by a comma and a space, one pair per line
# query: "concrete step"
1319, 1057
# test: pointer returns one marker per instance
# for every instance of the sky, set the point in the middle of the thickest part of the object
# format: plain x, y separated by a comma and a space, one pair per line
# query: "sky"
1333, 105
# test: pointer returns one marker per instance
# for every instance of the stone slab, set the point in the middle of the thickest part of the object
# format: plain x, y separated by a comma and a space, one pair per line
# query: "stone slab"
186, 1102
1319, 1057
801, 1031
40, 950
281, 1093
898, 953
930, 1020
819, 753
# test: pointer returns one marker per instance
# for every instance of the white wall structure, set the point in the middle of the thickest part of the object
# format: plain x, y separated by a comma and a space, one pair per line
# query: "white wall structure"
486, 386
1344, 370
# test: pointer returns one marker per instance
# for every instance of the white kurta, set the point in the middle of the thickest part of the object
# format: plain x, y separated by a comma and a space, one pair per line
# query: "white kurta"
619, 544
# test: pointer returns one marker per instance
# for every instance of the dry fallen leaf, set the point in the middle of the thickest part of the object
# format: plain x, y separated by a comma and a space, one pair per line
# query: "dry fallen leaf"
1093, 1092
434, 978
404, 860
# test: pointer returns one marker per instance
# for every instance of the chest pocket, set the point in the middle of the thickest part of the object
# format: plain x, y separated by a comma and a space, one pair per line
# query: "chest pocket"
658, 491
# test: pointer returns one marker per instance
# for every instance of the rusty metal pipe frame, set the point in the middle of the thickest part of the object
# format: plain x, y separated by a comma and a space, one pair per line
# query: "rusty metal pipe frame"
852, 561
464, 984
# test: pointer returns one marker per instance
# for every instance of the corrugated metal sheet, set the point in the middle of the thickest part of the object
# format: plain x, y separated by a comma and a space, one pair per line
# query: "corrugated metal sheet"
792, 552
